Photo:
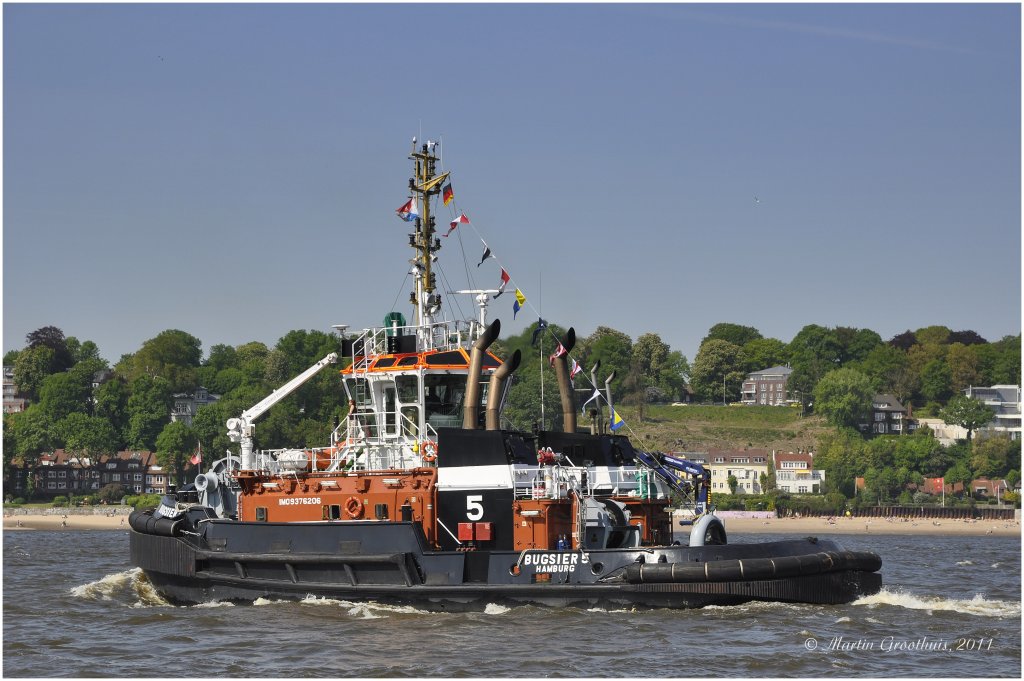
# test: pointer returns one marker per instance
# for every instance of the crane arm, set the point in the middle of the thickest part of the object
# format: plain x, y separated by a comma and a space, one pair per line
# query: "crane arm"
665, 467
240, 429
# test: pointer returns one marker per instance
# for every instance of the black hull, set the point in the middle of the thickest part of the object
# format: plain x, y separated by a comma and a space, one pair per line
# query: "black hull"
388, 562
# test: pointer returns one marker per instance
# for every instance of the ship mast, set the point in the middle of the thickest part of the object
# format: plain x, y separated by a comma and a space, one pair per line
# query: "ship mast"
425, 301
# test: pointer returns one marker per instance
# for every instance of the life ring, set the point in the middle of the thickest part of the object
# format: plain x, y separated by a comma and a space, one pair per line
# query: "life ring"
430, 451
354, 508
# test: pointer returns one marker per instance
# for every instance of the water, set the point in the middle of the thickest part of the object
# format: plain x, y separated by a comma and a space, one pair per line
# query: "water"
74, 608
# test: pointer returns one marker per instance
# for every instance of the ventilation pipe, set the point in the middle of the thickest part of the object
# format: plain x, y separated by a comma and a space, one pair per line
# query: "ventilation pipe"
608, 395
564, 386
595, 412
496, 388
471, 412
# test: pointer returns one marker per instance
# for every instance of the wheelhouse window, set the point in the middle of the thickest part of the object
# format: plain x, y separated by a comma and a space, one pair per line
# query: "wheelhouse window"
443, 396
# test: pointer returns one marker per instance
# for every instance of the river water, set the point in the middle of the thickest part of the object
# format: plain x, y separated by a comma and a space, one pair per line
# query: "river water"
73, 607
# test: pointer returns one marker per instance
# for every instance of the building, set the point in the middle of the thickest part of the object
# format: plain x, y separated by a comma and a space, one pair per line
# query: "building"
745, 465
795, 473
888, 417
62, 473
12, 403
988, 489
1004, 400
187, 405
767, 387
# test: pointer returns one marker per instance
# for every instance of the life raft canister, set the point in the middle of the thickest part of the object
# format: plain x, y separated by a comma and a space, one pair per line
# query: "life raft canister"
545, 457
354, 508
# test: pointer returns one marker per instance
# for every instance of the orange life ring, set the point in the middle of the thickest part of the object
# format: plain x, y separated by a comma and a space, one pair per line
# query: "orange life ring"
354, 508
430, 451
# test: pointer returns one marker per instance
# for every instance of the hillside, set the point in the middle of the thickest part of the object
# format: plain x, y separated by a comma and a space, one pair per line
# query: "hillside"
695, 428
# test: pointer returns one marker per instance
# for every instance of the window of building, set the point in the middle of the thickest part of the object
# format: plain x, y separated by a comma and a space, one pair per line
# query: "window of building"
802, 489
879, 415
62, 485
116, 477
51, 485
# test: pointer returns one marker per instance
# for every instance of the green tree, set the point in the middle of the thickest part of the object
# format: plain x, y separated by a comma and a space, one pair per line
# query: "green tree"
763, 353
992, 457
110, 402
855, 344
175, 444
967, 413
31, 369
736, 334
149, 410
83, 434
936, 380
733, 484
717, 370
63, 394
813, 352
841, 453
936, 335
962, 361
172, 355
844, 397
890, 373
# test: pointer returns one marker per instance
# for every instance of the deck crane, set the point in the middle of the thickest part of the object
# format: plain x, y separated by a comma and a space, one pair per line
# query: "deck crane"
241, 429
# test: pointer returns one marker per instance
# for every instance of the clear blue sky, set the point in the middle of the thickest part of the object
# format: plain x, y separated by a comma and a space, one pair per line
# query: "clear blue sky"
233, 170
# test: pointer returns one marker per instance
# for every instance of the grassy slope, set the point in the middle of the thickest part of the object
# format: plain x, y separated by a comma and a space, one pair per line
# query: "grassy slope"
696, 428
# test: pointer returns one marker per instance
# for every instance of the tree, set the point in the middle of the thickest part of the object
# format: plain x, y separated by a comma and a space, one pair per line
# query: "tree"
936, 380
63, 394
172, 355
149, 410
903, 341
733, 333
936, 335
962, 361
855, 344
992, 456
888, 369
53, 338
717, 367
763, 353
967, 413
844, 397
31, 369
967, 338
110, 402
813, 352
733, 484
85, 434
174, 445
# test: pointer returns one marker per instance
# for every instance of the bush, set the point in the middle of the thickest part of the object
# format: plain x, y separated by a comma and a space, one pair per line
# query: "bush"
141, 501
111, 493
60, 501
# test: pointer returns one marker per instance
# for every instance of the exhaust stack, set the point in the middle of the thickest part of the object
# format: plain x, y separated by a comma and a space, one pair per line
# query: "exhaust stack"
564, 386
471, 410
496, 387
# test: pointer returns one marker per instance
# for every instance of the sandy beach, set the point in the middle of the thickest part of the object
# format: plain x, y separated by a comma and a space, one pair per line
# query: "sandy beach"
806, 526
71, 522
917, 526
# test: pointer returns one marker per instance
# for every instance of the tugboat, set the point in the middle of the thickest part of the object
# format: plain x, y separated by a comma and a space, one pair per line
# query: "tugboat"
422, 497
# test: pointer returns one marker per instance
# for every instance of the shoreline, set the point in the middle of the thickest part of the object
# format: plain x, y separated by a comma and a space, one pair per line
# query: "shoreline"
899, 526
802, 526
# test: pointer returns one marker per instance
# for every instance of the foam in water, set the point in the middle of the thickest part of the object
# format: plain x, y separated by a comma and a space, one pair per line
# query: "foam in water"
979, 605
965, 562
215, 604
495, 609
128, 583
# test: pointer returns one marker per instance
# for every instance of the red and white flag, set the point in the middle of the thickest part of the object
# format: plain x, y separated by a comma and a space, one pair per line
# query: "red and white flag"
558, 353
504, 282
461, 220
197, 458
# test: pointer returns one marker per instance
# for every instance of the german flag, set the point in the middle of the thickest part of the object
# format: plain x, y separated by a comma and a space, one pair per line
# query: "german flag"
446, 194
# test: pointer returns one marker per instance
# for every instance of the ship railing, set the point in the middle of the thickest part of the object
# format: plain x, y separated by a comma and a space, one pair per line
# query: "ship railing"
443, 335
